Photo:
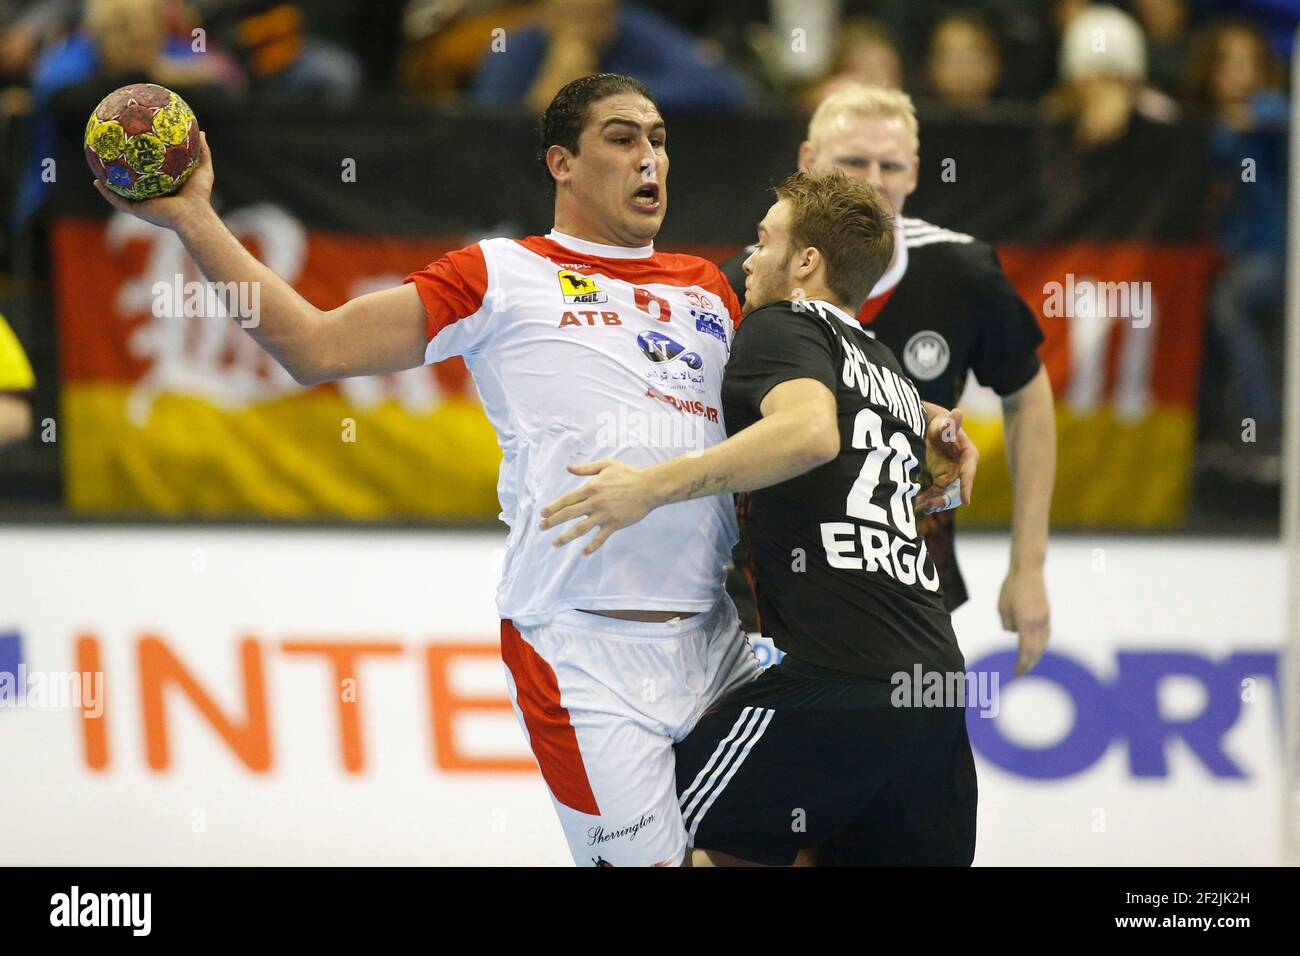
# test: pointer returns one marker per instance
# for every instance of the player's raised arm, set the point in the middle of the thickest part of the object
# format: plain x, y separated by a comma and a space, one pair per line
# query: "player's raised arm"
381, 332
797, 432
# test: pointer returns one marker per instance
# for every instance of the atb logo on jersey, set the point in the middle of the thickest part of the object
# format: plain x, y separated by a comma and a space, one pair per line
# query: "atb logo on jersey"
578, 289
925, 356
658, 347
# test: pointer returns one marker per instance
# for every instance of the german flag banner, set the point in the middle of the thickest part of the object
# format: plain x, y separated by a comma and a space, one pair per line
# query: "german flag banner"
1123, 325
168, 411
176, 410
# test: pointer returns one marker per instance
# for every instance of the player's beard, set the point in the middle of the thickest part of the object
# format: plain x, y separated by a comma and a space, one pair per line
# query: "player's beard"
768, 286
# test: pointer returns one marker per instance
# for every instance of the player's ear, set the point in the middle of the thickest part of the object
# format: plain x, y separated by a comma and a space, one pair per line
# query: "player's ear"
807, 156
560, 162
807, 262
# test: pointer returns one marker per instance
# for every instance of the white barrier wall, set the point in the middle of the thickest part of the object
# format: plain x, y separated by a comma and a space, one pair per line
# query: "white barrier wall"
297, 696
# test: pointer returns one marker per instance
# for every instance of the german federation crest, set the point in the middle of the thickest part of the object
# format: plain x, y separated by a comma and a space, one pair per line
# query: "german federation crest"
926, 355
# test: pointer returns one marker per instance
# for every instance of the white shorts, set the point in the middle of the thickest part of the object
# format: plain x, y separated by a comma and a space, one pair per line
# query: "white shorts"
602, 701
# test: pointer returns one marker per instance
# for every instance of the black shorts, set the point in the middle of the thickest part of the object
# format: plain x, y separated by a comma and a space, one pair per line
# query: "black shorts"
795, 761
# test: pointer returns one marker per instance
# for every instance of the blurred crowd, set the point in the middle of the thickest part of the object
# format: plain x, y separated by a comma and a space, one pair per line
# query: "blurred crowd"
1095, 69
729, 55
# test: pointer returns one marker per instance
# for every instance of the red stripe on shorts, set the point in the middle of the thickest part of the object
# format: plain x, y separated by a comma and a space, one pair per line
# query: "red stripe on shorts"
554, 742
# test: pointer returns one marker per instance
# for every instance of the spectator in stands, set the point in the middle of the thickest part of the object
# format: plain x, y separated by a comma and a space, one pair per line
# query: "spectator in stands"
1234, 75
1104, 83
1025, 31
1165, 22
443, 42
25, 28
963, 65
574, 38
868, 56
128, 40
1275, 19
282, 55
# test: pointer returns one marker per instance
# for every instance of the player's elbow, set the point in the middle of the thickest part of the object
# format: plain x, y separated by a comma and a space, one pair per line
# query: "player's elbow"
310, 362
305, 374
820, 443
309, 373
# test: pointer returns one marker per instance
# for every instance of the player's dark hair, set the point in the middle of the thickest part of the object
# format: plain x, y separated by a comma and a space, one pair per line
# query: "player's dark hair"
564, 120
849, 223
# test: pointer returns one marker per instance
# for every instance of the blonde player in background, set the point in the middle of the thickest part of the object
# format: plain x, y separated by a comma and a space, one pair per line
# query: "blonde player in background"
946, 309
584, 344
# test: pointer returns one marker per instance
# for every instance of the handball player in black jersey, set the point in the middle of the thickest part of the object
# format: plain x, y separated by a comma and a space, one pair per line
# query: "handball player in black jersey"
947, 311
829, 757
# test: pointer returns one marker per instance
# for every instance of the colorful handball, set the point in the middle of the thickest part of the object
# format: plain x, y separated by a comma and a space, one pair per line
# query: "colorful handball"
142, 141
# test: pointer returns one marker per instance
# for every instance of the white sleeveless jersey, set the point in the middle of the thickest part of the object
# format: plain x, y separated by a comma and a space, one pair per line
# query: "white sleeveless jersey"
582, 351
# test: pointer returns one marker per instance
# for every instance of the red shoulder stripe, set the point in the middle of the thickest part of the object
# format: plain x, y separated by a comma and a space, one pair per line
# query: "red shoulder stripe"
451, 288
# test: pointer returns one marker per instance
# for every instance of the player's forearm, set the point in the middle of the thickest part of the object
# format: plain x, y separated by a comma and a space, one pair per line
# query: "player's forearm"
285, 324
1030, 427
774, 449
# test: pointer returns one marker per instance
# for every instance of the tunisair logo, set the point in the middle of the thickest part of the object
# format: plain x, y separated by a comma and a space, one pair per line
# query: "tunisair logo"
685, 405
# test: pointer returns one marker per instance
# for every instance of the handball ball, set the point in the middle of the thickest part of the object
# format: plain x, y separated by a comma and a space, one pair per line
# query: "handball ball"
142, 141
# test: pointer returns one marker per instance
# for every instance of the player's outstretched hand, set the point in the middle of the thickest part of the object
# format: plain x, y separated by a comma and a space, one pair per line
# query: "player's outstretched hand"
950, 455
172, 211
618, 496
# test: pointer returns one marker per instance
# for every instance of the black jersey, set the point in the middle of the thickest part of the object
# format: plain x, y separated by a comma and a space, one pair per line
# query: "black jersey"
945, 309
843, 578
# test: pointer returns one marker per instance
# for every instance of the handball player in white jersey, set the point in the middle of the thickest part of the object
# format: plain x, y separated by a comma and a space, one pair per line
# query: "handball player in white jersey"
584, 344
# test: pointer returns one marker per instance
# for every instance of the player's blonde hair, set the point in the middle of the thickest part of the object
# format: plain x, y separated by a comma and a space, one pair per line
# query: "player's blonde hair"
848, 221
858, 99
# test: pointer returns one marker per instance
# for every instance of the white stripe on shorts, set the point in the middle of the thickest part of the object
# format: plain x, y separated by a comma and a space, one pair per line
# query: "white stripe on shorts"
699, 777
749, 727
722, 785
